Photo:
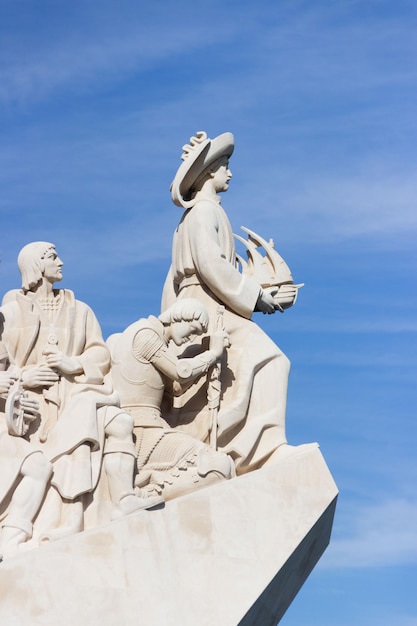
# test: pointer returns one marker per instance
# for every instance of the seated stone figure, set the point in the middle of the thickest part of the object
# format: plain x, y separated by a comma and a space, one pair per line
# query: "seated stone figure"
143, 365
53, 343
24, 471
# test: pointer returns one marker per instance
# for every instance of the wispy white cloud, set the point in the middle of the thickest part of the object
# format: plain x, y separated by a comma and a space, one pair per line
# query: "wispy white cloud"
324, 206
97, 51
287, 58
380, 535
368, 324
367, 203
369, 360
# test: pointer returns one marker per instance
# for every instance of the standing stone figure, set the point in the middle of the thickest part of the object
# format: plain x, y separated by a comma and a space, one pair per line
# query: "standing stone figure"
53, 343
170, 462
254, 375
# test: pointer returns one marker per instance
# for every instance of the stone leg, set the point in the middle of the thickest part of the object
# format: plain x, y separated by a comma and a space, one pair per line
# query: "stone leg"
26, 500
119, 465
66, 517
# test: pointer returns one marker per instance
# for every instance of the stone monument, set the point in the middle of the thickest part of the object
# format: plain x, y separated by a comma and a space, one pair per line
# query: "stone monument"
166, 445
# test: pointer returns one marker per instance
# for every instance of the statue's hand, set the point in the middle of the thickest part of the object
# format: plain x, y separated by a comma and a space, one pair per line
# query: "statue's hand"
61, 362
218, 342
40, 376
266, 301
286, 296
30, 411
6, 381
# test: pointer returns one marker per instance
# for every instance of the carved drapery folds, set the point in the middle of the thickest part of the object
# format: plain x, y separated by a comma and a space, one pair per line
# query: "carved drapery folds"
91, 431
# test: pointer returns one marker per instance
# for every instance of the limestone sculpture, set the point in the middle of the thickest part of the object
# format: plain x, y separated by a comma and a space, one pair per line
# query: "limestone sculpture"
91, 433
170, 462
250, 421
52, 344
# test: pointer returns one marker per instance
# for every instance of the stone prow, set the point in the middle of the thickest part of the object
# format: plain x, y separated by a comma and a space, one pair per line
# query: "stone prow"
235, 553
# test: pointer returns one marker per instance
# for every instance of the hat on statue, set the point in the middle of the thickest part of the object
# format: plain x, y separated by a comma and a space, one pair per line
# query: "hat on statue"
198, 155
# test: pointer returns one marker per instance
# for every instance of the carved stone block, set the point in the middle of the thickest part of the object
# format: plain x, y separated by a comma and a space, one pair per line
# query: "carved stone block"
235, 553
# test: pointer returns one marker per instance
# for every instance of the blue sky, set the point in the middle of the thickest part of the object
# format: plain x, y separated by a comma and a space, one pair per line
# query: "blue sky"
96, 101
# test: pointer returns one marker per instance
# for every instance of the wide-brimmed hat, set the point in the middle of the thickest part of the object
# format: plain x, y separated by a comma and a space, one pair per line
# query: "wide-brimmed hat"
198, 155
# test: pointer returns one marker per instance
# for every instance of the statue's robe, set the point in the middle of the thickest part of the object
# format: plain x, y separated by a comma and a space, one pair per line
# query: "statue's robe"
254, 377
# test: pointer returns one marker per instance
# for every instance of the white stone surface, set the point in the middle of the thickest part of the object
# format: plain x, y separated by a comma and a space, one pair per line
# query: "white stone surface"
204, 559
234, 553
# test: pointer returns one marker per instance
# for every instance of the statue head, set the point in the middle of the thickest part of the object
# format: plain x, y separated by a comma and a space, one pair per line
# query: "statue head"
201, 157
186, 310
184, 319
31, 263
218, 172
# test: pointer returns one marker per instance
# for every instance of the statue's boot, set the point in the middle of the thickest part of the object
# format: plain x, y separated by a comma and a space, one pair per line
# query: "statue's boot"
119, 462
131, 503
72, 521
59, 533
14, 533
200, 468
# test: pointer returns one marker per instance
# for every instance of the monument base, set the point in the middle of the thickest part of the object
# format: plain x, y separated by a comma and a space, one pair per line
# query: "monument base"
235, 553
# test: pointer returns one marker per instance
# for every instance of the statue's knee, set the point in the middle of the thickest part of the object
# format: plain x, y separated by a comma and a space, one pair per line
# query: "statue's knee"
37, 466
121, 426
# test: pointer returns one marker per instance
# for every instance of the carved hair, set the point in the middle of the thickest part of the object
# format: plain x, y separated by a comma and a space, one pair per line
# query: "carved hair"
29, 262
186, 310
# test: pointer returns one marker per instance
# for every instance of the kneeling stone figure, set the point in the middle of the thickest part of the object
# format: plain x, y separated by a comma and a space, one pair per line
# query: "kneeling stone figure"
170, 462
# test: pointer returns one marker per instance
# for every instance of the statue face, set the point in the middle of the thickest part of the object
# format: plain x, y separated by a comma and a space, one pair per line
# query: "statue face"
221, 176
181, 332
52, 266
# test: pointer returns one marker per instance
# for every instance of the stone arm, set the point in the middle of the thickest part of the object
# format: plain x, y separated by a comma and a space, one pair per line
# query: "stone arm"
91, 361
30, 377
218, 273
36, 376
87, 359
149, 347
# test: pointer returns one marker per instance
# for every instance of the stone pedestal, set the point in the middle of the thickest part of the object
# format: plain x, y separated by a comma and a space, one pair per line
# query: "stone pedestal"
236, 553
